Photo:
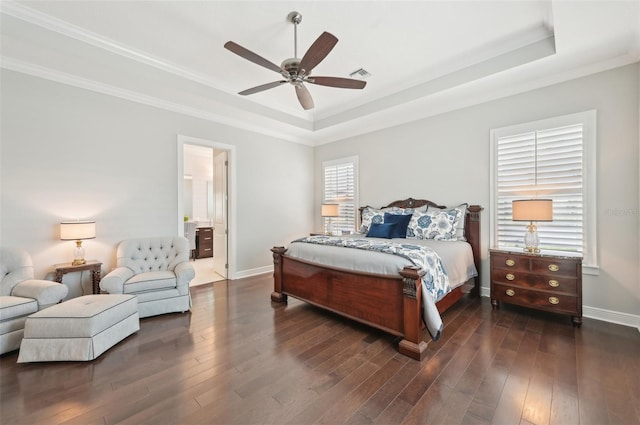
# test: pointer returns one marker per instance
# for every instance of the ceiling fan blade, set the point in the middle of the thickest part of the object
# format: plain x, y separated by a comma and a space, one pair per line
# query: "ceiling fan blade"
343, 83
261, 88
317, 52
252, 57
304, 97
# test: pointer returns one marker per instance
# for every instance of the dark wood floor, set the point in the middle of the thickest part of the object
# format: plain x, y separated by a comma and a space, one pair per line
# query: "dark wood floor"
238, 359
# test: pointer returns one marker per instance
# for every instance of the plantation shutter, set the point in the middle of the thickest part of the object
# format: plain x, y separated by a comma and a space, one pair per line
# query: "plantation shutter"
543, 164
340, 187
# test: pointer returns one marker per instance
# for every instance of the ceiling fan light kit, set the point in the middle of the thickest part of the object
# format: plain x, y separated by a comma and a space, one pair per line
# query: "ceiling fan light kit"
297, 71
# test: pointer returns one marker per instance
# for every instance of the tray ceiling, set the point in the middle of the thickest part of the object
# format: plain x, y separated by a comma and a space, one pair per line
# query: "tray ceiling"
424, 57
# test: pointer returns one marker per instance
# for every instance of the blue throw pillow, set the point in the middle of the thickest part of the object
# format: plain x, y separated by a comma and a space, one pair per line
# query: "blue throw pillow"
401, 222
381, 230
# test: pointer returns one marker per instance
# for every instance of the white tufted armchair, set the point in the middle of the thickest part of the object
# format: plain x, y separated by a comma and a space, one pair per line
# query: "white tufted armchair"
156, 270
21, 295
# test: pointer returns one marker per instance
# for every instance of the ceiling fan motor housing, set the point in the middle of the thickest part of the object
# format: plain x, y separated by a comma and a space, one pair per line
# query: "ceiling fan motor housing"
292, 67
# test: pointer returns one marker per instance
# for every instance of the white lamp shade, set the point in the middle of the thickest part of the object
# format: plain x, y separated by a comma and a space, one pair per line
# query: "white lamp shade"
330, 210
77, 230
532, 210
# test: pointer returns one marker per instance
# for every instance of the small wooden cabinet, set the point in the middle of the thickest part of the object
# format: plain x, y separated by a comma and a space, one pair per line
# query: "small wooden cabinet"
204, 242
546, 282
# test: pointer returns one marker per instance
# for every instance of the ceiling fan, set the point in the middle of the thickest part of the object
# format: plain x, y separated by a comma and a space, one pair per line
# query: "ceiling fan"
297, 71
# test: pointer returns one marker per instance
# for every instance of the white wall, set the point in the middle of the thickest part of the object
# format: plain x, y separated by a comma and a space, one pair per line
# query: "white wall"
70, 153
445, 158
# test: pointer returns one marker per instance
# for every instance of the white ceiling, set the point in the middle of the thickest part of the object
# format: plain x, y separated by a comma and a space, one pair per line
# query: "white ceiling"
425, 57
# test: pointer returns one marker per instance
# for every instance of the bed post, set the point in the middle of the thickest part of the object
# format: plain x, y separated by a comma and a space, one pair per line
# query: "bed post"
472, 233
412, 345
277, 294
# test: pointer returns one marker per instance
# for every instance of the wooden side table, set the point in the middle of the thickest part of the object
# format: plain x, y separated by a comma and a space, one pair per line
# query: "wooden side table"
93, 265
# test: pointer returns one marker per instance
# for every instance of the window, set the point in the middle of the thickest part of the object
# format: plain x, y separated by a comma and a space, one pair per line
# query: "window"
554, 159
340, 186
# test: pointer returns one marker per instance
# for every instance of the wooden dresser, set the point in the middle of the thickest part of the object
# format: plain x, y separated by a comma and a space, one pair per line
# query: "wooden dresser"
546, 282
204, 242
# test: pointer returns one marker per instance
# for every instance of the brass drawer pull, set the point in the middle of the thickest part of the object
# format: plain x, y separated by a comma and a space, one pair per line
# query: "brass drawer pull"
554, 283
511, 292
553, 267
554, 300
510, 262
509, 276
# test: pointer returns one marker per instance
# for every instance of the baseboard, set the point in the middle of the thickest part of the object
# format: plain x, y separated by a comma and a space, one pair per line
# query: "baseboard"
253, 272
617, 317
610, 316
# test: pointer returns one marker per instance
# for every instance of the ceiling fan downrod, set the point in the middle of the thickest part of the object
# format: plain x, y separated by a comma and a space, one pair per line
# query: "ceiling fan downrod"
295, 18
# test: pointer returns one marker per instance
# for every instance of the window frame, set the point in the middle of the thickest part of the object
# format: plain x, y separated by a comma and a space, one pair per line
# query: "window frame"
335, 162
588, 121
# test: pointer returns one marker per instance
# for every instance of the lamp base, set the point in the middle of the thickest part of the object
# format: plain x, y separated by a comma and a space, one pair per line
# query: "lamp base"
531, 249
78, 255
531, 240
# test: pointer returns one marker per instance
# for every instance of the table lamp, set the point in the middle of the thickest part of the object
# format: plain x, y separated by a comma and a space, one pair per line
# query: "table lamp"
330, 210
77, 231
532, 210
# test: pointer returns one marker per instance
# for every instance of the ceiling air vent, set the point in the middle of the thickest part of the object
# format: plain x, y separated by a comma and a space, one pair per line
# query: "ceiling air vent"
360, 73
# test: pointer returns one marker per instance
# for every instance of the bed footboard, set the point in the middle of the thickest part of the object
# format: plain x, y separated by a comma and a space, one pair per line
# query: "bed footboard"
392, 304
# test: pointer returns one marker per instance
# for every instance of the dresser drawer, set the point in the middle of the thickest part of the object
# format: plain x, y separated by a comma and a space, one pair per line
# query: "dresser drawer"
555, 267
510, 262
551, 301
535, 281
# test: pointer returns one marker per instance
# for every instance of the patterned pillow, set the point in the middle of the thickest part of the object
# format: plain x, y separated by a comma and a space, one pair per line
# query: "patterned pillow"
434, 225
398, 211
370, 215
461, 220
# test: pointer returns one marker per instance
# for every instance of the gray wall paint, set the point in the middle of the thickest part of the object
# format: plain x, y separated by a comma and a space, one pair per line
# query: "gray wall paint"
70, 153
445, 158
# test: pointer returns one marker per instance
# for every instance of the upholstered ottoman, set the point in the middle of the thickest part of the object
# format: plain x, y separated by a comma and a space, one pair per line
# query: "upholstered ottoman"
79, 329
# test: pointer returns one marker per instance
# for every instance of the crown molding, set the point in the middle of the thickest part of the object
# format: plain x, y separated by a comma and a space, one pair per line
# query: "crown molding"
42, 20
110, 90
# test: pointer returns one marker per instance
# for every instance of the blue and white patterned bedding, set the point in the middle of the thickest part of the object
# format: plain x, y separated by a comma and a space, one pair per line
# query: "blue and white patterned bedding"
435, 282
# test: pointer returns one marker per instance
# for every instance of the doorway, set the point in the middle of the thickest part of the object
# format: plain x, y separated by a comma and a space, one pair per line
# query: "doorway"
205, 197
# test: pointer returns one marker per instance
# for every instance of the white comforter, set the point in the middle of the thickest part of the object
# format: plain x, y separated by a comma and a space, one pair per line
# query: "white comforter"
456, 257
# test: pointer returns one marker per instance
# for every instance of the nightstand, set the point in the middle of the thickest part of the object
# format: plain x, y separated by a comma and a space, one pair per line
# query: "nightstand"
545, 282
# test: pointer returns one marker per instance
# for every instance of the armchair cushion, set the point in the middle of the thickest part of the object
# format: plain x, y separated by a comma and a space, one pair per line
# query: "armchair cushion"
12, 307
150, 281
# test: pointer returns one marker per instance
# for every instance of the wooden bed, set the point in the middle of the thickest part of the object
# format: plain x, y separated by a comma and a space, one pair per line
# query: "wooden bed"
392, 304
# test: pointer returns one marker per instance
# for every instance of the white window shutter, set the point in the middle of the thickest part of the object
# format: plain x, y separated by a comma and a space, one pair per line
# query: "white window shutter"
340, 186
544, 163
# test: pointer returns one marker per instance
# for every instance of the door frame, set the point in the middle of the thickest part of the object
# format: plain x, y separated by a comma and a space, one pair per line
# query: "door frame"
231, 192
